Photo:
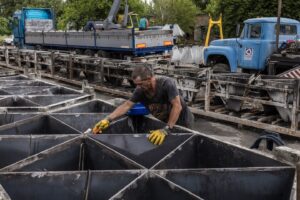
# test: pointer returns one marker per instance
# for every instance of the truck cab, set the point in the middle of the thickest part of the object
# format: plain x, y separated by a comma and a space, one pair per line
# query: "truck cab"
31, 19
253, 48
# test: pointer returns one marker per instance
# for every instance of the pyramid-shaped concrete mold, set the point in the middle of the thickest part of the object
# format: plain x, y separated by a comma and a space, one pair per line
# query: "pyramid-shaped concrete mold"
203, 152
94, 106
47, 100
16, 148
81, 122
22, 90
139, 124
100, 185
38, 125
139, 148
23, 83
81, 153
16, 101
8, 118
59, 91
151, 186
235, 184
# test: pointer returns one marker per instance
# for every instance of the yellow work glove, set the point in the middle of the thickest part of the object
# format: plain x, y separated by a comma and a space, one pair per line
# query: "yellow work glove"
100, 126
157, 137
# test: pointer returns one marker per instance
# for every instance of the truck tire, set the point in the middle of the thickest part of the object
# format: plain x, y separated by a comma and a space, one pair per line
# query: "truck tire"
103, 54
220, 67
38, 47
78, 51
88, 52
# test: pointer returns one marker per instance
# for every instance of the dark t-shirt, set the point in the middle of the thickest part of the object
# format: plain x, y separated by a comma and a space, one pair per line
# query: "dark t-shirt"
160, 104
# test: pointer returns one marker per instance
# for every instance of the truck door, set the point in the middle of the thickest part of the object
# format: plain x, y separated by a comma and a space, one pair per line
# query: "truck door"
249, 48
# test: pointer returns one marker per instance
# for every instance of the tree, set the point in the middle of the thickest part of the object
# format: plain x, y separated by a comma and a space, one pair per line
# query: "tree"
78, 12
4, 26
8, 7
201, 3
181, 12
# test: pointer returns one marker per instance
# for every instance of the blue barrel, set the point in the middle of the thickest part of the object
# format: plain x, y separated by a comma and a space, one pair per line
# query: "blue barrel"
138, 109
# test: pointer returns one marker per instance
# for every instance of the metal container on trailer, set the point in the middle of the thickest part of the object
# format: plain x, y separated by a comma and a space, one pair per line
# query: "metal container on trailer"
53, 38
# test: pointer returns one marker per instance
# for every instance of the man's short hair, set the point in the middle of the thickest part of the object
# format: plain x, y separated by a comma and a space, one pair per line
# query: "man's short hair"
143, 72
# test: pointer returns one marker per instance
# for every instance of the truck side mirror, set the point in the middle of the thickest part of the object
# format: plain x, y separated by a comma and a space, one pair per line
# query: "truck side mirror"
237, 30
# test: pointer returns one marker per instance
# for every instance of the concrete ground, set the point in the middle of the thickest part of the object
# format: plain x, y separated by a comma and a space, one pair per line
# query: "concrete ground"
244, 136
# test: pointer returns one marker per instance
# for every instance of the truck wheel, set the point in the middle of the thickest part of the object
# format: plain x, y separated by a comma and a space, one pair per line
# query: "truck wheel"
78, 51
220, 67
103, 54
89, 52
38, 47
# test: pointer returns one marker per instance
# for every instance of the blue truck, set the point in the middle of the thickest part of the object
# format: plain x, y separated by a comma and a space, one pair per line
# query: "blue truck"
35, 28
255, 49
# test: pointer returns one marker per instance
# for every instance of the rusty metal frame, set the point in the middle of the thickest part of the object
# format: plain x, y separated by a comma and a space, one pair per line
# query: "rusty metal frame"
222, 114
8, 56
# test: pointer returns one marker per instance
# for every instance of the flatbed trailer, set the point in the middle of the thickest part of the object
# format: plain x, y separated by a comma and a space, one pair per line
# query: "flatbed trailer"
34, 28
123, 41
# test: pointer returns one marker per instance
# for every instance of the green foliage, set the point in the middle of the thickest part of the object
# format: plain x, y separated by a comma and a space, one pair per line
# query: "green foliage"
181, 12
78, 12
4, 26
8, 7
236, 11
201, 4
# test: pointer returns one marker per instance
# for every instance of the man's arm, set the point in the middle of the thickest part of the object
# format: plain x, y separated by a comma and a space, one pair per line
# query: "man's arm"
175, 111
121, 110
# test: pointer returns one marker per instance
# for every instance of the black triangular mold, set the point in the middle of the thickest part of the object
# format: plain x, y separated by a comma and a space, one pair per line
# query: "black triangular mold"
81, 153
139, 148
235, 184
203, 152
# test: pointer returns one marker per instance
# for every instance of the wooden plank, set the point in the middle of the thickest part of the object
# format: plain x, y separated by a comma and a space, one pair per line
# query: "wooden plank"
256, 124
294, 120
207, 91
266, 118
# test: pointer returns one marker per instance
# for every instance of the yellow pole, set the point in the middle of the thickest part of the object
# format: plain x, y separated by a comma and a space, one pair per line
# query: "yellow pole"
211, 23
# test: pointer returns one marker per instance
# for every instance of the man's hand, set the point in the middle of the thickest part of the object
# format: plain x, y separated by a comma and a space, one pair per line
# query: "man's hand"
157, 137
100, 126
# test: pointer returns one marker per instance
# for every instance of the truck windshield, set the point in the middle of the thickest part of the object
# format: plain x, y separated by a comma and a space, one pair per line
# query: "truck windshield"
287, 29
